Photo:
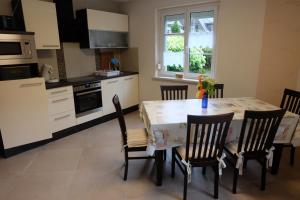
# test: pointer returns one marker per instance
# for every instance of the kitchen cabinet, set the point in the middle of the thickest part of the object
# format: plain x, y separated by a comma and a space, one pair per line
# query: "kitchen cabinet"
125, 87
100, 29
110, 87
23, 112
40, 18
107, 21
61, 109
130, 90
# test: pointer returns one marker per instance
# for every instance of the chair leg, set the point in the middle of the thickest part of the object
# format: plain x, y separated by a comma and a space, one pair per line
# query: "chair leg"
216, 184
203, 170
235, 180
126, 166
173, 163
292, 155
263, 176
185, 185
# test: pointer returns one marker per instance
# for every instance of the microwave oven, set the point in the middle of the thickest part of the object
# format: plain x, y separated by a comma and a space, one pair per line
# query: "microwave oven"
17, 48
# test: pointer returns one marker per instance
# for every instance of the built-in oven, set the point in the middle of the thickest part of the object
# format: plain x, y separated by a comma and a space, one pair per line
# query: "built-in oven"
17, 48
87, 98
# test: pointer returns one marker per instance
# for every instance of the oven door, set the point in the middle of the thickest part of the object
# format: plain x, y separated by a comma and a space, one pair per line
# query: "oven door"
88, 100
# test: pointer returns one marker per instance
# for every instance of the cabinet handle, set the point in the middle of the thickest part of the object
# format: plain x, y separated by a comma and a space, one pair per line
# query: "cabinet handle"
60, 100
30, 85
113, 81
59, 91
62, 117
50, 45
128, 79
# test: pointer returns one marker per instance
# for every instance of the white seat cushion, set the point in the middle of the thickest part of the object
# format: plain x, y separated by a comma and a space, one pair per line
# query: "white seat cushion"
296, 138
137, 137
182, 150
232, 147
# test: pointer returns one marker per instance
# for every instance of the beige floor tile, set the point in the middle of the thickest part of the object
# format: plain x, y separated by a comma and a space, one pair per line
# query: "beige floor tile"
56, 160
41, 186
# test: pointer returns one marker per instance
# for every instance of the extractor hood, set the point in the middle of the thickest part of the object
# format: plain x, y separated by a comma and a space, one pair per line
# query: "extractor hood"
100, 29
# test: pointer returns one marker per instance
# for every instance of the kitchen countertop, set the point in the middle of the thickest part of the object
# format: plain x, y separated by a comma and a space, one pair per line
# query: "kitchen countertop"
84, 79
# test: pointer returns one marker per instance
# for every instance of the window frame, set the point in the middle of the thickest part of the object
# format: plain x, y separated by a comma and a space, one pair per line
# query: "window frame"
161, 70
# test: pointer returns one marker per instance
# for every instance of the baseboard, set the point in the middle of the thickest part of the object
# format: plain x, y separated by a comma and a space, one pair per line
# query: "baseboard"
22, 148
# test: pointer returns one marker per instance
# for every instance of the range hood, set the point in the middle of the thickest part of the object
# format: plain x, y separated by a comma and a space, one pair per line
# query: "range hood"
68, 29
100, 29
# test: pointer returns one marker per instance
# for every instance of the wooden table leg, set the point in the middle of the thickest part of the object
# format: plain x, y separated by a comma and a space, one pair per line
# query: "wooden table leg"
276, 158
159, 157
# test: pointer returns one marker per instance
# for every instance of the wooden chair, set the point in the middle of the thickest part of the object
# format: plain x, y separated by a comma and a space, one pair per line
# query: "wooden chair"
204, 146
291, 102
133, 139
219, 88
255, 142
173, 92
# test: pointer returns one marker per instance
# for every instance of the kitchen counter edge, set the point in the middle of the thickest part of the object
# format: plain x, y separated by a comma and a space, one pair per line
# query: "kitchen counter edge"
65, 83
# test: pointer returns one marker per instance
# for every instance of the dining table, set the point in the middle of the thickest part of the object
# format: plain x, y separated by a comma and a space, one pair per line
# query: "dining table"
166, 121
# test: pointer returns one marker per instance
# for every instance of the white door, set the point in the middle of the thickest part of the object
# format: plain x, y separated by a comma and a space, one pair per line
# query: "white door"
40, 17
110, 87
130, 91
23, 112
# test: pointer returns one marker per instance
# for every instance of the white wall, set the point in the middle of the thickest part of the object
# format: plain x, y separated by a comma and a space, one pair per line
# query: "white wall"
78, 62
239, 36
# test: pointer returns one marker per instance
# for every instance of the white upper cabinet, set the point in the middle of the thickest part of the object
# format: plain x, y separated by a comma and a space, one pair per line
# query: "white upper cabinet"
40, 18
107, 21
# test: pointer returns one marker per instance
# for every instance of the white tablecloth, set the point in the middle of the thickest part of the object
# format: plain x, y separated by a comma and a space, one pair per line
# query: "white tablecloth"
166, 120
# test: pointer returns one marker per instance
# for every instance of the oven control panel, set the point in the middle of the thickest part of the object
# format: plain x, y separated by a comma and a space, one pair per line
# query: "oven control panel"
86, 86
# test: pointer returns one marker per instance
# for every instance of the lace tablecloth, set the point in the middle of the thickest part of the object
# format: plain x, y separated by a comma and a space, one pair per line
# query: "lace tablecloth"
166, 120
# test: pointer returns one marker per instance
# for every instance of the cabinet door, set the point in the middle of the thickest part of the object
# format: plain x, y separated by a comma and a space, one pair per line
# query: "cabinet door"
110, 87
40, 18
130, 91
107, 21
23, 112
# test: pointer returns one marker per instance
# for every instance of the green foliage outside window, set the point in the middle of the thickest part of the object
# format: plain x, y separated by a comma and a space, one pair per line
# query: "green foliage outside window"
175, 28
200, 58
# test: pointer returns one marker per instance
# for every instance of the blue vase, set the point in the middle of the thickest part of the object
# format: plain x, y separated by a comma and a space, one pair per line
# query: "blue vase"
204, 101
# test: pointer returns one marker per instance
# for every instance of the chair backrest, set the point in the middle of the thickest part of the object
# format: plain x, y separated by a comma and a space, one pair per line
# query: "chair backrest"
258, 130
291, 101
173, 92
219, 88
121, 119
206, 136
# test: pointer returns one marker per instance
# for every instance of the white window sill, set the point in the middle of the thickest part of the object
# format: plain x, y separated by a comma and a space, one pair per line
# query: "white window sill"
173, 79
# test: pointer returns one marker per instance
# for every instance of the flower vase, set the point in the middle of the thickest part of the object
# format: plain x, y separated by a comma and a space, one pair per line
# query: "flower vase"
204, 101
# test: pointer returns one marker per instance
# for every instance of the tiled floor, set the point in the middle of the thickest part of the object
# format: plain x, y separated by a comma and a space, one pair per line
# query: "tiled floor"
88, 165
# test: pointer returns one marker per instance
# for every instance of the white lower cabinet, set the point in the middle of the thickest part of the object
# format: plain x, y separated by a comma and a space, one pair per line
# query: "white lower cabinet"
110, 87
23, 112
61, 109
130, 90
125, 87
62, 121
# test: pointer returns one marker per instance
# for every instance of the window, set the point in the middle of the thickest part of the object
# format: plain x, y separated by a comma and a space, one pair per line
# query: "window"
187, 41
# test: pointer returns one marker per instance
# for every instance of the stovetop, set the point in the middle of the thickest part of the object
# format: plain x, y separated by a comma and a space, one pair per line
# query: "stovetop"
84, 79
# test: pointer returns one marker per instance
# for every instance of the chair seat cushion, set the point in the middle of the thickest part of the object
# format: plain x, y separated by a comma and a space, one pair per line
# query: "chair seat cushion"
137, 137
182, 151
296, 137
232, 147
